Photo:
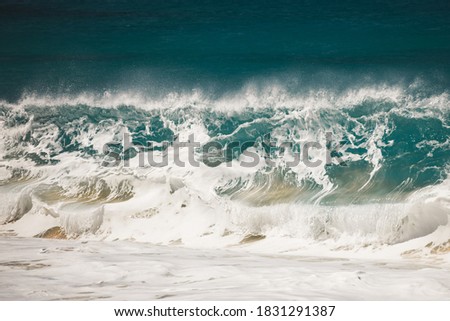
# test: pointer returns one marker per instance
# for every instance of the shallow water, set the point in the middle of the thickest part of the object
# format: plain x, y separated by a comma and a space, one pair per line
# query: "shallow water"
36, 269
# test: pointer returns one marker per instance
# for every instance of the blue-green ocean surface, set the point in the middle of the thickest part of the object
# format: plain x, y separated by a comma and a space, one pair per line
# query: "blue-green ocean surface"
77, 77
60, 46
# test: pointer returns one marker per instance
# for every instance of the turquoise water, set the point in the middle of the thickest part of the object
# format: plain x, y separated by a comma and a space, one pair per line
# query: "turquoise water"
60, 47
75, 76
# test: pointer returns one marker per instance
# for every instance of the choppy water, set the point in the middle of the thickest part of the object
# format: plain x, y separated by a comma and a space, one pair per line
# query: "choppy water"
76, 78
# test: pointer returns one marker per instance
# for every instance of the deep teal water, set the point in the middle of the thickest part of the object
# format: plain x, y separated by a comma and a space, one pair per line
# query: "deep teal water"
383, 68
72, 46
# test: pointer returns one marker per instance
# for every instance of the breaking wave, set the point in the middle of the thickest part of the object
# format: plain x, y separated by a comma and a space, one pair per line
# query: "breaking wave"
387, 182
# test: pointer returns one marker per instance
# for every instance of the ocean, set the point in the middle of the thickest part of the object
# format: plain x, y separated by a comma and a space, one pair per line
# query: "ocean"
309, 127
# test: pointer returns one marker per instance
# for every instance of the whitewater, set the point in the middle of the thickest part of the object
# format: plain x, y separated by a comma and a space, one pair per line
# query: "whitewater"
372, 224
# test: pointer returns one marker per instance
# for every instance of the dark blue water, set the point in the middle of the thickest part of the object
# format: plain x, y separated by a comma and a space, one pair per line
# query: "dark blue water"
163, 45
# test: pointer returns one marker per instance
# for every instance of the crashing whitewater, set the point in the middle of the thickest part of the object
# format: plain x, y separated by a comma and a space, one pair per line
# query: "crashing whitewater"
388, 193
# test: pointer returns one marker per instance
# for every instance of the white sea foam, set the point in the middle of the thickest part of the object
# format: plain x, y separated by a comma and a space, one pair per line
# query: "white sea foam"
36, 269
250, 96
181, 205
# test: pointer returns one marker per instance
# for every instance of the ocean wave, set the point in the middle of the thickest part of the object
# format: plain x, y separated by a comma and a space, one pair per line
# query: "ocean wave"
390, 145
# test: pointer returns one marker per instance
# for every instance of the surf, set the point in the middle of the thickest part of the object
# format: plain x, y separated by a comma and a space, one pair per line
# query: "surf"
389, 187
